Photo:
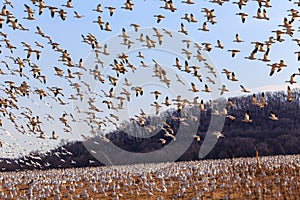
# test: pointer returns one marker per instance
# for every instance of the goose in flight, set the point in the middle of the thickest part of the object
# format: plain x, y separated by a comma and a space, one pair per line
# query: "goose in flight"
272, 116
192, 18
62, 14
168, 134
223, 89
265, 16
281, 65
187, 53
98, 9
169, 5
177, 64
127, 83
203, 28
226, 72
278, 35
159, 18
149, 43
167, 101
265, 58
100, 22
243, 16
230, 117
157, 107
42, 135
68, 4
237, 39
206, 89
262, 101
126, 93
186, 67
138, 90
135, 27
6, 2
254, 100
292, 79
169, 33
41, 93
194, 88
219, 45
207, 46
195, 69
158, 35
274, 66
53, 137
128, 5
163, 141
41, 7
188, 2
182, 29
244, 89
186, 17
233, 52
298, 55
201, 106
108, 103
30, 13
156, 94
197, 138
218, 134
233, 78
289, 94
210, 80
111, 10
76, 15
258, 14
107, 27
240, 3
230, 103
247, 117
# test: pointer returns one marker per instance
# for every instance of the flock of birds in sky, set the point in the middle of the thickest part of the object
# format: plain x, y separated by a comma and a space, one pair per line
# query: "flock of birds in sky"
22, 77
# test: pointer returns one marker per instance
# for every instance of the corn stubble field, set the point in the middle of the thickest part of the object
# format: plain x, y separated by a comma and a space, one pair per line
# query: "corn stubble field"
276, 177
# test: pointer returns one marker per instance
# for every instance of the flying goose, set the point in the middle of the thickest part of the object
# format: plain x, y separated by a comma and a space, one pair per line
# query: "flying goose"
194, 88
243, 16
273, 116
218, 134
98, 8
111, 10
244, 89
289, 94
292, 79
182, 29
159, 18
156, 94
237, 39
157, 107
223, 89
203, 28
247, 117
206, 89
201, 106
197, 138
219, 45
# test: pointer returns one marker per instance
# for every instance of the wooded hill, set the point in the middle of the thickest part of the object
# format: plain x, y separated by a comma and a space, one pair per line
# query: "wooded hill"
269, 137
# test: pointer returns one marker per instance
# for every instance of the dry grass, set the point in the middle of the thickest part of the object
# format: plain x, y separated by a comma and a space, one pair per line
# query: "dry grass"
277, 178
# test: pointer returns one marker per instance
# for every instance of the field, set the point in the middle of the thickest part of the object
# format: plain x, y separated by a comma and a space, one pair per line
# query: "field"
276, 177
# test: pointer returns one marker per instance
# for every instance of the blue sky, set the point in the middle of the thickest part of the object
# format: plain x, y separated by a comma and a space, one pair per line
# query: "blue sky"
254, 75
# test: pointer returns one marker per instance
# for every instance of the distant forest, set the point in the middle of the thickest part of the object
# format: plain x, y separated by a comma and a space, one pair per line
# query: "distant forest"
269, 137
